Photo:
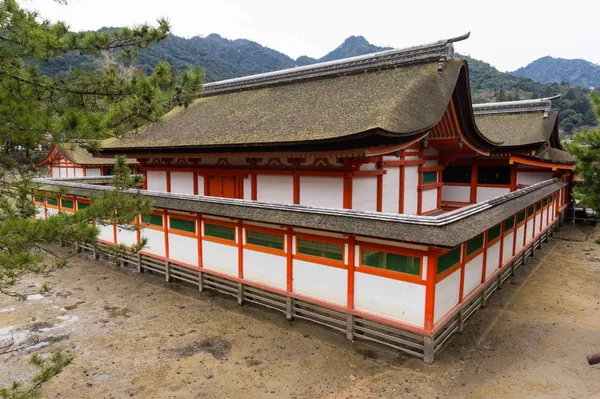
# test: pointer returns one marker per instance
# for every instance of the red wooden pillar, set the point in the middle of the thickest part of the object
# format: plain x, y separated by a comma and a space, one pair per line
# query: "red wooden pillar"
348, 192
432, 261
289, 245
351, 268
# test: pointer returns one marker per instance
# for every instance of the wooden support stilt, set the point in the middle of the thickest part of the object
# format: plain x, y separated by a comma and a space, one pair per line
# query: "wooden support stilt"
512, 268
77, 247
350, 327
140, 269
483, 299
240, 295
200, 281
289, 308
95, 253
428, 349
167, 271
461, 320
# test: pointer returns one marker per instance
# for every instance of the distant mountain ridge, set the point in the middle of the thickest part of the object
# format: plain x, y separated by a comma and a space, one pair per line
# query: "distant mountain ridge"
558, 70
223, 58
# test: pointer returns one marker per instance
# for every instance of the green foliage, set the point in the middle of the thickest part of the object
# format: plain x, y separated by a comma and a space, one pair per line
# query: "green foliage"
586, 147
83, 105
558, 70
48, 368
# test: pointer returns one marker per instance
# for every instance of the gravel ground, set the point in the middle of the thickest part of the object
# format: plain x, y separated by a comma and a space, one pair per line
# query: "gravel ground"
135, 336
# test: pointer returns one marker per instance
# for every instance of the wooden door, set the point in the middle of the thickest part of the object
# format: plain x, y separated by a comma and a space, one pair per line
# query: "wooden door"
222, 186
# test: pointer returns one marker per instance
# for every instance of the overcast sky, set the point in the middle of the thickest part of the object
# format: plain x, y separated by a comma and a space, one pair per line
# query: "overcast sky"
507, 33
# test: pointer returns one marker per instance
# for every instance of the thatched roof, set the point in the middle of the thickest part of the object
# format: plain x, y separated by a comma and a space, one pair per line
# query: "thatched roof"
399, 102
526, 123
81, 156
383, 98
555, 155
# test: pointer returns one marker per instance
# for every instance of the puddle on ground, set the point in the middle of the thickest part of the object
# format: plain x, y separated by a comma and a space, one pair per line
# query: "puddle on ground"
216, 346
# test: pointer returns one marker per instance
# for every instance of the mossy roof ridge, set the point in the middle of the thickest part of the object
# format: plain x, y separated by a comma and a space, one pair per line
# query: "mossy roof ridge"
555, 155
81, 156
401, 101
517, 129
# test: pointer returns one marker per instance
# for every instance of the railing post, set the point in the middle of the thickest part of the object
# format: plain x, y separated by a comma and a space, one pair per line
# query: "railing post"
461, 320
350, 327
139, 263
240, 295
289, 308
428, 349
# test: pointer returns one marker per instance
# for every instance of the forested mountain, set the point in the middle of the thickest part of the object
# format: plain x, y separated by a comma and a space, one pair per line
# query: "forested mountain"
223, 58
557, 70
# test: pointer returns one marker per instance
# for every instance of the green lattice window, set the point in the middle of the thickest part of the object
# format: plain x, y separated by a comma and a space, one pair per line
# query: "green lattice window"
448, 260
475, 244
38, 199
52, 201
538, 206
545, 202
153, 220
430, 177
530, 210
82, 205
67, 204
510, 222
521, 217
393, 262
223, 232
494, 232
182, 224
266, 240
321, 249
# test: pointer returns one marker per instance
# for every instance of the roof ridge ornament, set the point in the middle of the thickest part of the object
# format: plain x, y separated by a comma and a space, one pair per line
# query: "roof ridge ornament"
515, 107
439, 51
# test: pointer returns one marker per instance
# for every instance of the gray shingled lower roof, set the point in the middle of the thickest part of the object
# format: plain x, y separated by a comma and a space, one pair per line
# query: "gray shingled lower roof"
448, 230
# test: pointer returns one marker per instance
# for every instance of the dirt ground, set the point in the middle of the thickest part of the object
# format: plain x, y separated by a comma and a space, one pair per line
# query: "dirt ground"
135, 336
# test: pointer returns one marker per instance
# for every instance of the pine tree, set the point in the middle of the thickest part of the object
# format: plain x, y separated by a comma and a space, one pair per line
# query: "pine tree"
80, 106
586, 147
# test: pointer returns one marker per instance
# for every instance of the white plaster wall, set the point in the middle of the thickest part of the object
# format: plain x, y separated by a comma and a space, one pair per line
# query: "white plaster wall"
182, 182
78, 172
326, 283
429, 199
39, 212
492, 260
551, 212
364, 193
529, 178
325, 192
55, 172
156, 241
52, 212
446, 295
411, 181
456, 193
391, 190
473, 271
106, 232
520, 233
93, 172
200, 185
507, 250
247, 188
126, 237
183, 249
275, 188
529, 231
220, 257
265, 268
395, 299
536, 224
157, 180
486, 193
